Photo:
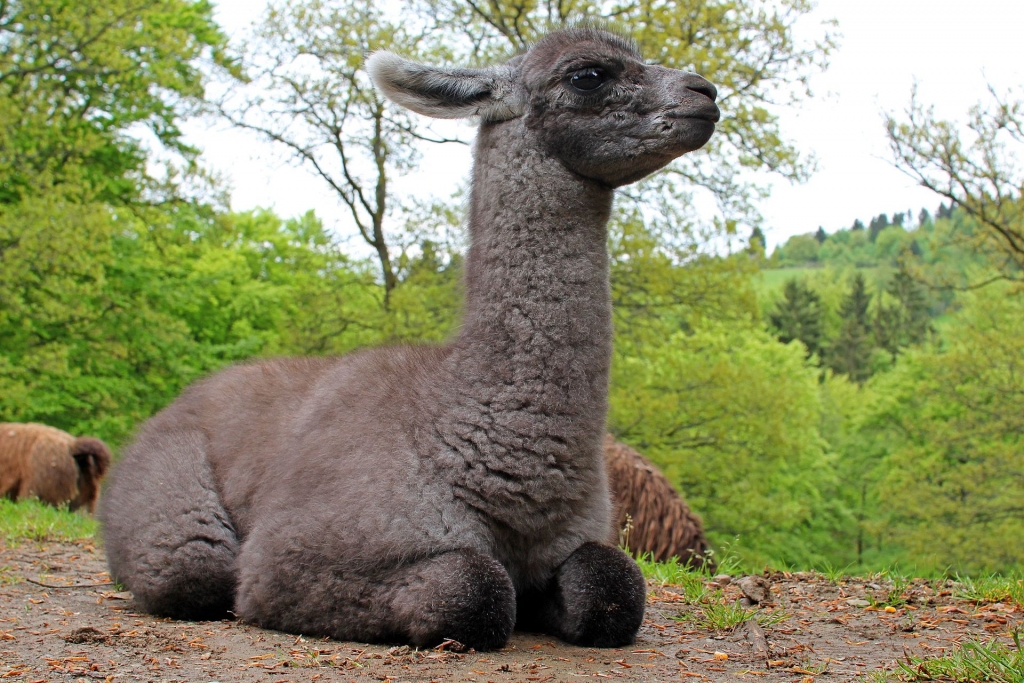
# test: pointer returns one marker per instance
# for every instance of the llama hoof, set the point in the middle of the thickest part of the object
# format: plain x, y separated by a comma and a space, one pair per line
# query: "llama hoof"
462, 596
603, 594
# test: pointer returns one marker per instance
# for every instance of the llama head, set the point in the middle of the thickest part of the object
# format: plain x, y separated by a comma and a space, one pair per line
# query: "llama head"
586, 93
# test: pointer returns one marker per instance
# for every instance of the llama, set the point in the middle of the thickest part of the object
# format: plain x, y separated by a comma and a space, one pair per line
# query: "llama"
37, 461
652, 517
424, 493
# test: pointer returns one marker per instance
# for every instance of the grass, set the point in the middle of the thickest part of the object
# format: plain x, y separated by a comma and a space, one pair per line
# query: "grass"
991, 588
969, 662
833, 573
30, 520
894, 596
717, 615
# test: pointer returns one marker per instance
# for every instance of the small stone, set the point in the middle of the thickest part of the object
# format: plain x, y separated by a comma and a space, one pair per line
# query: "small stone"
857, 602
755, 588
722, 580
399, 651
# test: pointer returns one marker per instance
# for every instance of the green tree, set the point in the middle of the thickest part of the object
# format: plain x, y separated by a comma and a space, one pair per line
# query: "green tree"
850, 353
79, 79
732, 416
877, 225
797, 316
952, 424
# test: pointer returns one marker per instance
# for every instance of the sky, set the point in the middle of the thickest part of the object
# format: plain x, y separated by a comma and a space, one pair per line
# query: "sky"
951, 49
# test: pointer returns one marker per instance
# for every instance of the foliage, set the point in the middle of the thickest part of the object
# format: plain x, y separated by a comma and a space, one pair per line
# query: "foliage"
30, 520
951, 426
78, 79
798, 316
731, 415
850, 352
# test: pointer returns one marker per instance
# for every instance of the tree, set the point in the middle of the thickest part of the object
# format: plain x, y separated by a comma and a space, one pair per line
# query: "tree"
308, 92
850, 353
877, 225
798, 316
974, 170
756, 243
951, 422
731, 416
821, 235
76, 78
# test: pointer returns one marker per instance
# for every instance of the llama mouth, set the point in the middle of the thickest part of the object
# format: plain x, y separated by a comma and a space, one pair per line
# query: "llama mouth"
710, 114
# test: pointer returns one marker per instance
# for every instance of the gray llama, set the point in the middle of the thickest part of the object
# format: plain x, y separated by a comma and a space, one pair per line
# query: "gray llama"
425, 493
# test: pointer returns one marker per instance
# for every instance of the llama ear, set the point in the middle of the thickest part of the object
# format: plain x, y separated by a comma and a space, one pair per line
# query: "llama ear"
444, 93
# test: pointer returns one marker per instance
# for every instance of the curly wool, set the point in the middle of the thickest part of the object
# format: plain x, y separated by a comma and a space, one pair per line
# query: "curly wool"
37, 461
660, 523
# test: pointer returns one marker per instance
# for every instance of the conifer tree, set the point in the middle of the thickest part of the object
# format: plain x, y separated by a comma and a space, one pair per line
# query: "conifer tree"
757, 242
877, 225
821, 235
905, 322
798, 316
850, 354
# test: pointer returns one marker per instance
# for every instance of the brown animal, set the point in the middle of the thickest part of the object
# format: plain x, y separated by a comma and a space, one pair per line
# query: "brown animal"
43, 462
658, 519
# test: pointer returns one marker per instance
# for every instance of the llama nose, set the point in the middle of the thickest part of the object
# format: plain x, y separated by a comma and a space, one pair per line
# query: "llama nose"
698, 84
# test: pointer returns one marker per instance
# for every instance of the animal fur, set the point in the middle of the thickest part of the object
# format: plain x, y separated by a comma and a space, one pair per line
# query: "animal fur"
43, 462
652, 517
435, 492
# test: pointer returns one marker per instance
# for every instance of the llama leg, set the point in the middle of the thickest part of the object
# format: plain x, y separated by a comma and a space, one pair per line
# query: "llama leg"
595, 599
461, 595
167, 536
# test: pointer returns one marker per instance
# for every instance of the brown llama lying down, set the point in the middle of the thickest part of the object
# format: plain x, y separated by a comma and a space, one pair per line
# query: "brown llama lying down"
43, 462
424, 493
660, 523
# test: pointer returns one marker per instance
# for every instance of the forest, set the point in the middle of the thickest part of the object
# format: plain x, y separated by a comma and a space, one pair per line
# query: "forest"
855, 398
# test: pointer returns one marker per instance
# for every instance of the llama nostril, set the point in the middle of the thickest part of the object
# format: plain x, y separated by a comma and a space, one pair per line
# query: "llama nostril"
705, 89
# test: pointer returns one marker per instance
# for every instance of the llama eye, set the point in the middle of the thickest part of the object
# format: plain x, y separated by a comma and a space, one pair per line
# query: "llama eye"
588, 80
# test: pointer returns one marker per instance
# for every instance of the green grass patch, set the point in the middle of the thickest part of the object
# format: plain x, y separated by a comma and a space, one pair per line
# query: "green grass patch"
969, 662
30, 520
991, 588
716, 614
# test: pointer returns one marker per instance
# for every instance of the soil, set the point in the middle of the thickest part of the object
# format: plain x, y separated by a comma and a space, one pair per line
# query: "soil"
61, 619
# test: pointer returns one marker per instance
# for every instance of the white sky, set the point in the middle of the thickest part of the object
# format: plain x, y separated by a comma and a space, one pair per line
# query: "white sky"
950, 48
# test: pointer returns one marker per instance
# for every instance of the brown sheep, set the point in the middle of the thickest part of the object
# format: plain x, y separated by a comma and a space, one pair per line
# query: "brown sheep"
43, 462
660, 522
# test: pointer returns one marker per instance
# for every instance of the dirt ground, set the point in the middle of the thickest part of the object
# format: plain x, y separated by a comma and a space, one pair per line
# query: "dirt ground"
61, 620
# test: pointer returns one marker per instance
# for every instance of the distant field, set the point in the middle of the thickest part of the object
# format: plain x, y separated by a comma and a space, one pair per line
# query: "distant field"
770, 281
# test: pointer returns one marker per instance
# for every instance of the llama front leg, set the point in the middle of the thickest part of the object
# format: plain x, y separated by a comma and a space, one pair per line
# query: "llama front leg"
595, 599
460, 595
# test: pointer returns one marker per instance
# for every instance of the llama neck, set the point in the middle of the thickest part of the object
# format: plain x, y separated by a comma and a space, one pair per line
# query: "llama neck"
537, 329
